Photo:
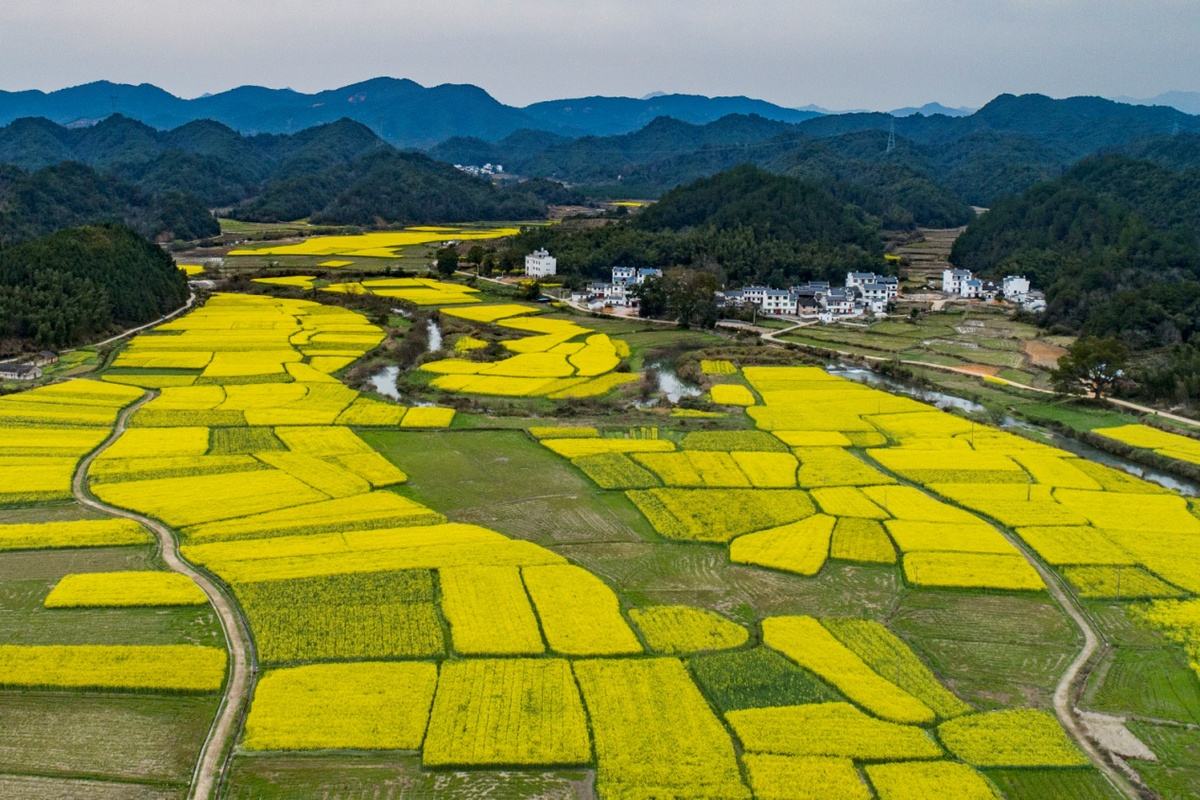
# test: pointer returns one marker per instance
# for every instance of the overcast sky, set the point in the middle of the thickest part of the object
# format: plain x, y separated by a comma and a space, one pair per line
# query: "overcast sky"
835, 53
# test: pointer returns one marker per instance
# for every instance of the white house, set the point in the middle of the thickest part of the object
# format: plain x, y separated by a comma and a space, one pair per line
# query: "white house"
17, 371
778, 301
1015, 288
540, 264
634, 275
954, 279
888, 283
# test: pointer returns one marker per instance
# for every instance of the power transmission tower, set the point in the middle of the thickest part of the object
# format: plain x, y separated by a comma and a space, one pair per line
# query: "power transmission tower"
1175, 129
891, 145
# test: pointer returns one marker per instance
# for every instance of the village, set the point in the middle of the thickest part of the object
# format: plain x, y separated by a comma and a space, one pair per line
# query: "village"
864, 294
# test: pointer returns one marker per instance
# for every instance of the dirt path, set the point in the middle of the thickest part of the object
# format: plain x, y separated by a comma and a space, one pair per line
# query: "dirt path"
1070, 683
242, 667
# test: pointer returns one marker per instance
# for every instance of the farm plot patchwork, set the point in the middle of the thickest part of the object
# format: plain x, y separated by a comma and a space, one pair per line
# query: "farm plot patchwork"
48, 430
315, 562
558, 359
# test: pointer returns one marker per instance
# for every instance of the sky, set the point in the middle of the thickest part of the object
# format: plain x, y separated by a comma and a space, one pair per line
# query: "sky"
839, 54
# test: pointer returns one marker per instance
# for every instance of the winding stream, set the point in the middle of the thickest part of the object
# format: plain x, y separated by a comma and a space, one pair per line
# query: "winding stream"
944, 401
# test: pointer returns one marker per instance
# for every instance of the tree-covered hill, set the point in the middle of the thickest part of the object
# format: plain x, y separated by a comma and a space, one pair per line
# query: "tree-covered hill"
749, 224
79, 283
337, 173
70, 194
387, 187
1115, 242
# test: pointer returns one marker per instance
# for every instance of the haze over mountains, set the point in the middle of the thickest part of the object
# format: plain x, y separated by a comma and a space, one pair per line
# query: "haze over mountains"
407, 114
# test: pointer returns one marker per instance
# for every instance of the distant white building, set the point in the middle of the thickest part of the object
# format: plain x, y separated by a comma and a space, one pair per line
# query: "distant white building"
1015, 288
954, 280
540, 264
624, 276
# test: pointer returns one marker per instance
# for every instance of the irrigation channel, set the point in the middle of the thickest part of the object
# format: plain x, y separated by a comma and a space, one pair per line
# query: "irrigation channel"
944, 401
206, 777
384, 381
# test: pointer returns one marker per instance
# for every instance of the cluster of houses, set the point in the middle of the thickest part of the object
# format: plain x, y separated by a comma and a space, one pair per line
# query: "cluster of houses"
488, 169
1014, 288
617, 292
28, 368
863, 293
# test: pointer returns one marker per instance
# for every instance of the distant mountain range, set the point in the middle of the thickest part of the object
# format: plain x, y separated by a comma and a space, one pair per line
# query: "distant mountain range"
400, 111
343, 172
407, 114
1187, 102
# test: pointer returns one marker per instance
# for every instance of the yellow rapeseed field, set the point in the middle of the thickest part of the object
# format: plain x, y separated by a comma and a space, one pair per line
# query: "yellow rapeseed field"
163, 667
655, 735
808, 643
379, 244
506, 711
356, 706
829, 729
922, 780
115, 589
782, 777
580, 614
1019, 737
74, 533
489, 612
672, 630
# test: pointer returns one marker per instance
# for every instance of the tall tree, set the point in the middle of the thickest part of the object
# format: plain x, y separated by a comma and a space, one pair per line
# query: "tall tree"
1092, 364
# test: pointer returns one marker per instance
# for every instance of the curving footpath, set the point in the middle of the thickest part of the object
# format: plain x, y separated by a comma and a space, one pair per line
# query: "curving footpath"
209, 768
1069, 684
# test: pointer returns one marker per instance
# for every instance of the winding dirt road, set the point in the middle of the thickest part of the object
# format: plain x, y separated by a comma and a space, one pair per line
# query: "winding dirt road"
1070, 682
209, 767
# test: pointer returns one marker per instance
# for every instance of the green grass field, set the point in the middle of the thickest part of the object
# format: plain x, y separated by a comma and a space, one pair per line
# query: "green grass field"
389, 777
142, 738
1059, 784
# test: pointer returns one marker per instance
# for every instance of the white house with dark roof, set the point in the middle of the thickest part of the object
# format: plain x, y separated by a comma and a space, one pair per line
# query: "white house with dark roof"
540, 264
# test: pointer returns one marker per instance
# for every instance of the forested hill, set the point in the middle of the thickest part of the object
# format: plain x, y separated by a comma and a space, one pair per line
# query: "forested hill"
749, 224
939, 166
78, 284
70, 194
387, 187
340, 172
1115, 241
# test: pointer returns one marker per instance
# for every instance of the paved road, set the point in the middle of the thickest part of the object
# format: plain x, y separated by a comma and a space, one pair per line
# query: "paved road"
190, 301
242, 667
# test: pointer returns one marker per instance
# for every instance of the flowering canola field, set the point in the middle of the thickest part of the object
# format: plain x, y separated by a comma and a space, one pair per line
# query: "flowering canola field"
559, 359
381, 625
380, 244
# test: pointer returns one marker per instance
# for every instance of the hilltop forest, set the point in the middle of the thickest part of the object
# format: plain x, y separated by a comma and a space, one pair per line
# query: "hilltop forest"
77, 284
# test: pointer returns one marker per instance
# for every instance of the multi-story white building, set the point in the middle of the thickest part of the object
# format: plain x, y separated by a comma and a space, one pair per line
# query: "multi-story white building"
1015, 288
540, 264
778, 301
953, 281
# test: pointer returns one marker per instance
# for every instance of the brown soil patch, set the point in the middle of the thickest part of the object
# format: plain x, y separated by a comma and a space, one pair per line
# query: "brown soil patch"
1043, 354
979, 369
